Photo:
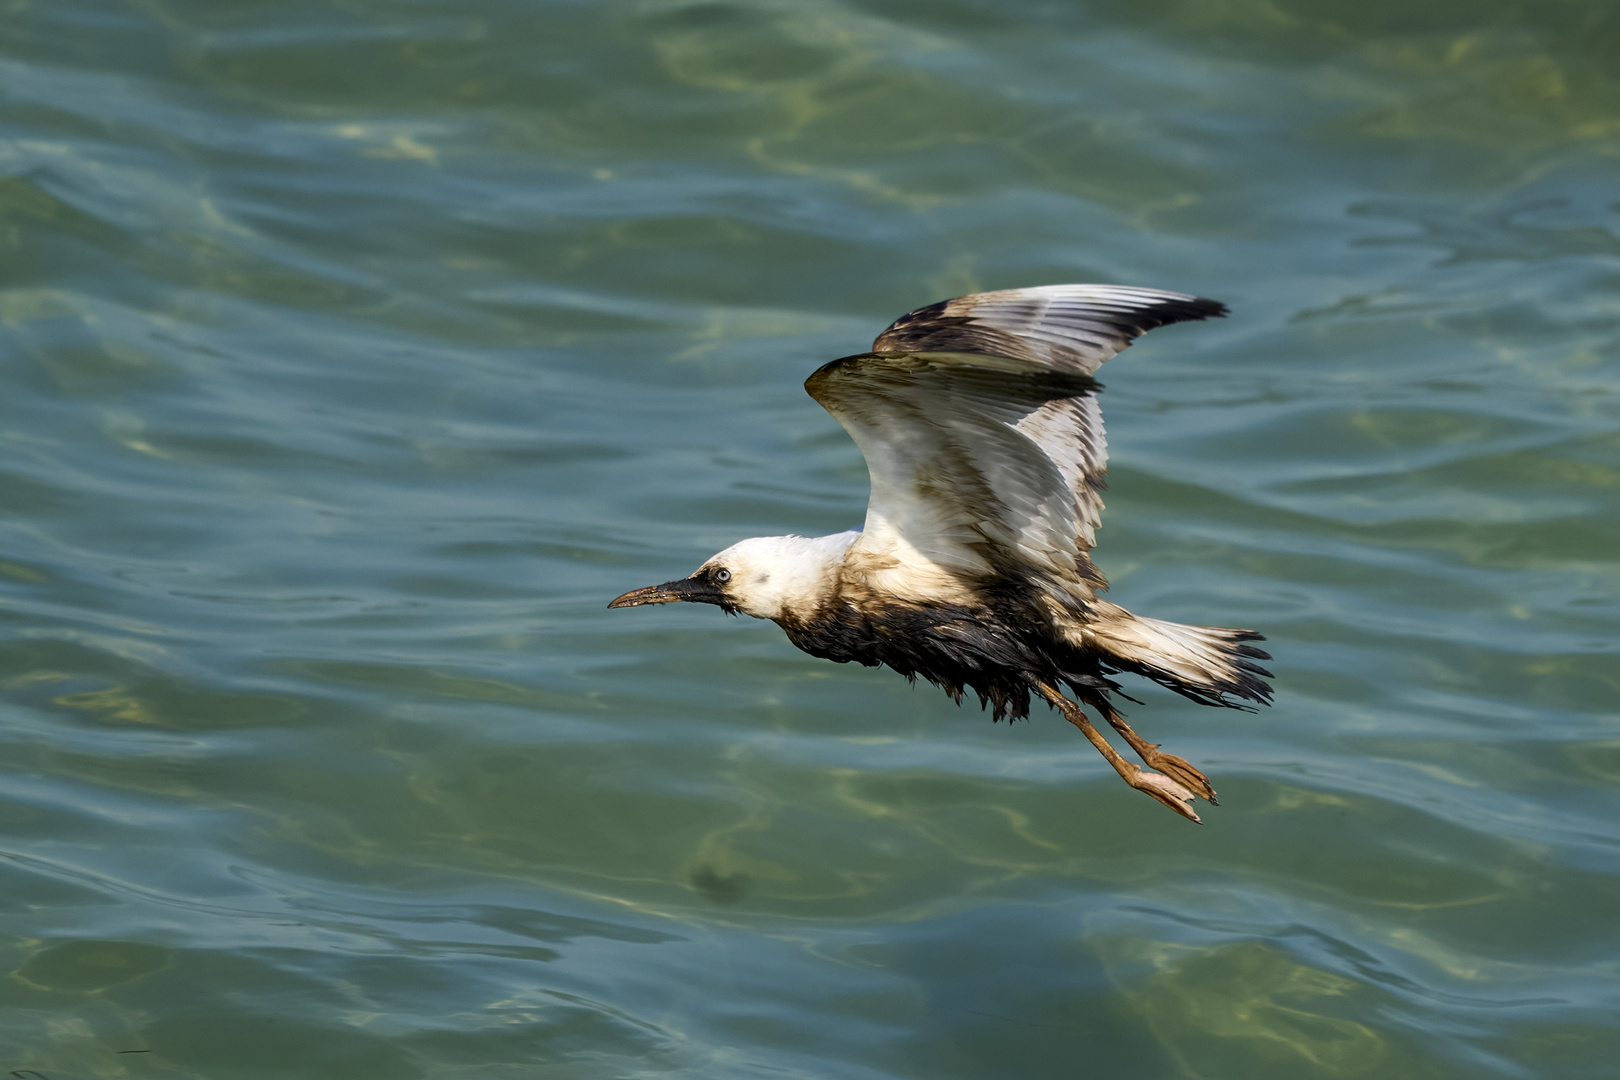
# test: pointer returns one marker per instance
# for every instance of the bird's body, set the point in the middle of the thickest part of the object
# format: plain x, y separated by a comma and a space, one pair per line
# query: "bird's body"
978, 419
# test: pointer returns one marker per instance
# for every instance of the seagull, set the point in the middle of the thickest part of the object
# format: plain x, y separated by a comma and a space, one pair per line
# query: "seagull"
979, 423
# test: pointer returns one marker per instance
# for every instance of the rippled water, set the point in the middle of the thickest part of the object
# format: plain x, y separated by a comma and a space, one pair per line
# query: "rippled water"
357, 353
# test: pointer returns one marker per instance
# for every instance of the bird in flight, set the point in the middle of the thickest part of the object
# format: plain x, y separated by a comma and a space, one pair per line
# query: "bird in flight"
979, 422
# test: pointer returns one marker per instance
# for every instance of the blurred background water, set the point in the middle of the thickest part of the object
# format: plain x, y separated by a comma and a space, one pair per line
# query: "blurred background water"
355, 353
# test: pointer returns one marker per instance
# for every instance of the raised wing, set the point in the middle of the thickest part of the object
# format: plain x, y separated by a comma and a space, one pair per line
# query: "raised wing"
1069, 327
979, 423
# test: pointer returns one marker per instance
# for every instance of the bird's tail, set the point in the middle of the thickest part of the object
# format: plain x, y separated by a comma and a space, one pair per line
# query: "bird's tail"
1204, 663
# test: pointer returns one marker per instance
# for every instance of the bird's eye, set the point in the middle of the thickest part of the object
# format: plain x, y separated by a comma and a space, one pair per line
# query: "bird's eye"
722, 575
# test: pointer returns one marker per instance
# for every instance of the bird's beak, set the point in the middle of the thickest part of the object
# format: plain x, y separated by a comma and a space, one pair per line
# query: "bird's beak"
695, 590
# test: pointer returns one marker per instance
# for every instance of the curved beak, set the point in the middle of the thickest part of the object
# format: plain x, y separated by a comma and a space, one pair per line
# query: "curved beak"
695, 590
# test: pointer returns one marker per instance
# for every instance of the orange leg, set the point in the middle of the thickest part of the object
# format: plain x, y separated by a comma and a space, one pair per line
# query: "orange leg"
1160, 787
1177, 768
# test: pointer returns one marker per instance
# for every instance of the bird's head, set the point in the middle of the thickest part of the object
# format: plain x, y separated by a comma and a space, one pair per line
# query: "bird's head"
767, 577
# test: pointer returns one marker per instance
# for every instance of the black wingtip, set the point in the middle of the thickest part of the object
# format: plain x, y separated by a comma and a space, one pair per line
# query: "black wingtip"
1190, 309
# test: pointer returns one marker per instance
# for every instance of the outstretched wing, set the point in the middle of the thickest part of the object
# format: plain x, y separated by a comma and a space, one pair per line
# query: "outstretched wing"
1068, 327
979, 422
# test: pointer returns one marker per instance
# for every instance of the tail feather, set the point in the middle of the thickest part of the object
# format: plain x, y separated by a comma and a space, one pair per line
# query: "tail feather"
1204, 663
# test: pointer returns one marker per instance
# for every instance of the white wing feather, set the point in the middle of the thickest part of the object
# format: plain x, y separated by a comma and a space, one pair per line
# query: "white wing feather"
980, 427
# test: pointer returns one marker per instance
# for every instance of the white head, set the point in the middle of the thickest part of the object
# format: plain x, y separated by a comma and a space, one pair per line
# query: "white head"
767, 577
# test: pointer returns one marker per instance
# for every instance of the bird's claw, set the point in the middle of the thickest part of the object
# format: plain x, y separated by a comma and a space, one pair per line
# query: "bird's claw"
1167, 791
1182, 772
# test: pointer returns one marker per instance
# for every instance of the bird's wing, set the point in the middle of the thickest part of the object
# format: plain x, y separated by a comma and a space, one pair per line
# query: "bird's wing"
1067, 327
979, 422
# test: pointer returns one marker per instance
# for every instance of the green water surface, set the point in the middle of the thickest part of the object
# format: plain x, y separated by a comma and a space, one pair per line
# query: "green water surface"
354, 353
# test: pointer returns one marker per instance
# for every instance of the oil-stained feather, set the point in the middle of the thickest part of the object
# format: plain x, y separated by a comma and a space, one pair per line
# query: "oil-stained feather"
1074, 327
981, 430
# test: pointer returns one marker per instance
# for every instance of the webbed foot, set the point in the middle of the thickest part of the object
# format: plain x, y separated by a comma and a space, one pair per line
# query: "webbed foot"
1164, 789
1178, 769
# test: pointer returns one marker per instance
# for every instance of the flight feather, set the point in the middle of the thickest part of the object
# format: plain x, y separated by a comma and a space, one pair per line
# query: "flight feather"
979, 422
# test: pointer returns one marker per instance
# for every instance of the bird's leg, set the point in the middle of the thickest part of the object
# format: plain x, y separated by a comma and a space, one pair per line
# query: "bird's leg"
1162, 788
1178, 769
